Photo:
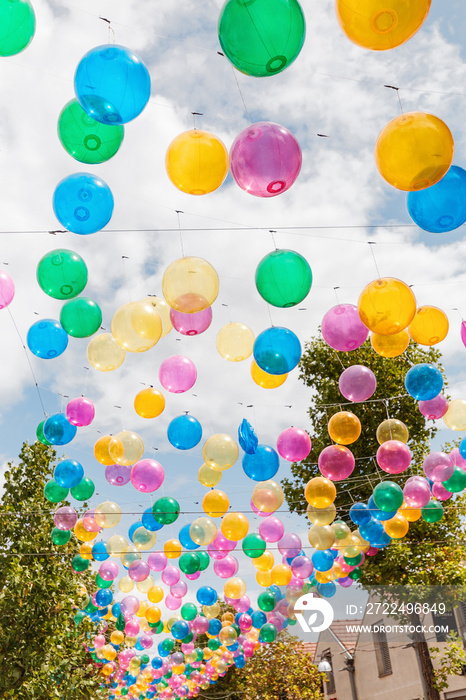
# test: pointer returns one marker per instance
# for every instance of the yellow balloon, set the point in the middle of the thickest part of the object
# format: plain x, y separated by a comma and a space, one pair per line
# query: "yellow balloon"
137, 326
155, 594
101, 452
190, 284
344, 428
227, 635
323, 576
220, 452
144, 539
397, 527
281, 575
268, 496
82, 534
126, 584
117, 637
133, 448
341, 531
208, 477
429, 326
131, 554
381, 24
107, 514
363, 544
149, 403
234, 527
85, 550
197, 162
265, 562
390, 345
211, 611
414, 151
235, 588
265, 380
107, 669
141, 611
235, 342
455, 417
387, 306
146, 585
321, 536
410, 514
203, 531
163, 310
172, 549
321, 516
392, 429
320, 492
117, 545
215, 504
104, 353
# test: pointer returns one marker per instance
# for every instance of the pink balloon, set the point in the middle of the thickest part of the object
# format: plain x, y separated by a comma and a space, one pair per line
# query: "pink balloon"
393, 457
215, 553
157, 561
244, 622
438, 466
439, 492
7, 289
129, 604
172, 603
191, 324
99, 641
271, 529
434, 408
147, 475
193, 577
200, 624
179, 589
171, 575
357, 383
243, 604
416, 492
177, 374
302, 567
146, 641
372, 551
345, 582
227, 567
132, 628
89, 523
80, 411
65, 518
222, 544
108, 570
265, 159
294, 444
463, 332
336, 462
138, 570
457, 459
290, 545
342, 328
259, 512
117, 474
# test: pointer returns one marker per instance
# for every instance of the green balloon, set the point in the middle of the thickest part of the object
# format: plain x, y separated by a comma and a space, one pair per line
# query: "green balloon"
79, 617
62, 274
101, 583
214, 644
266, 601
17, 26
457, 481
84, 490
253, 545
355, 574
166, 510
188, 611
388, 496
168, 645
40, 433
432, 512
157, 626
268, 632
86, 139
261, 37
55, 493
353, 561
60, 537
90, 607
188, 639
189, 563
204, 559
79, 564
236, 628
144, 659
81, 317
283, 278
120, 624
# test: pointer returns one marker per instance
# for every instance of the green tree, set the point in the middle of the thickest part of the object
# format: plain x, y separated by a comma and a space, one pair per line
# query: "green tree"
42, 651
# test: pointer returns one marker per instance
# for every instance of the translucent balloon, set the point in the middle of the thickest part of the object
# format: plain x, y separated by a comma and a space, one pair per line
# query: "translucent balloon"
117, 545
290, 545
62, 274
226, 567
320, 492
184, 432
191, 324
455, 417
432, 512
266, 380
387, 306
234, 526
190, 284
336, 462
83, 203
397, 527
271, 529
235, 342
414, 151
388, 496
263, 464
149, 403
126, 448
429, 326
47, 339
342, 329
440, 492
137, 326
283, 278
81, 317
84, 490
177, 374
68, 473
58, 430
457, 481
172, 550
321, 536
208, 477
440, 208
344, 428
424, 382
438, 466
104, 353
17, 26
294, 444
147, 475
108, 514
393, 456
267, 496
112, 84
220, 452
7, 289
390, 345
197, 162
434, 408
166, 510
215, 503
265, 159
86, 139
321, 516
80, 411
392, 429
277, 350
101, 452
416, 492
357, 383
235, 588
65, 518
203, 531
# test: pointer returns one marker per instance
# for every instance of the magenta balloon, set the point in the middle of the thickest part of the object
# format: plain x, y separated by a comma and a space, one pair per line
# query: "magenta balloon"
271, 529
89, 522
132, 628
171, 575
7, 289
302, 567
463, 332
336, 462
99, 640
345, 582
245, 622
248, 648
80, 411
416, 492
439, 492
215, 553
372, 551
147, 475
290, 545
393, 457
138, 570
65, 518
294, 444
193, 577
243, 604
265, 159
200, 624
191, 324
227, 567
222, 544
457, 459
357, 383
117, 474
172, 603
434, 408
146, 641
438, 466
342, 328
157, 561
129, 605
179, 589
108, 570
177, 374
259, 512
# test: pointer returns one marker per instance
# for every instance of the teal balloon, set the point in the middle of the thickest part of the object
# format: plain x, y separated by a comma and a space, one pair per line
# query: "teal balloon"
55, 493
388, 496
60, 537
79, 564
189, 563
432, 512
204, 559
81, 317
266, 601
188, 611
283, 278
457, 481
17, 26
268, 632
166, 510
86, 139
84, 490
253, 545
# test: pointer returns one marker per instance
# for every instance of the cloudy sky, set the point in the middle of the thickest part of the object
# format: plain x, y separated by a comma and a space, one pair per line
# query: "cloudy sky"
338, 204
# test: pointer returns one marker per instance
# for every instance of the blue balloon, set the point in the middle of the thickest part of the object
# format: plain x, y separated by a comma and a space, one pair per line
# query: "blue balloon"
99, 553
326, 590
442, 207
112, 84
215, 626
133, 529
58, 430
68, 473
47, 339
372, 530
277, 350
184, 432
83, 203
262, 465
275, 589
116, 609
206, 595
161, 651
322, 560
103, 597
240, 661
258, 618
247, 438
377, 513
424, 382
149, 522
180, 629
381, 541
185, 538
157, 662
462, 448
138, 645
359, 513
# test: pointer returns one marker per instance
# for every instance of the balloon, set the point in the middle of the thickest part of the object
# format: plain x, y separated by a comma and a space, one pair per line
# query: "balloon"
166, 510
197, 162
65, 518
322, 560
84, 490
157, 562
68, 473
271, 529
18, 24
58, 431
263, 39
409, 513
86, 139
302, 566
149, 403
397, 527
432, 512
208, 477
62, 274
267, 496
321, 516
126, 448
191, 324
381, 26
112, 84
283, 278
235, 342
81, 317
438, 466
83, 203
357, 383
294, 444
226, 567
80, 412
434, 408
263, 464
265, 159
392, 429
266, 380
190, 285
206, 595
234, 526
235, 588
429, 326
440, 208
107, 514
424, 382
277, 350
7, 289
147, 475
320, 492
393, 456
457, 481
220, 452
321, 536
336, 462
388, 496
177, 374
414, 151
137, 326
215, 503
247, 437
440, 492
416, 492
342, 329
203, 531
344, 428
290, 545
104, 353
47, 339
455, 417
138, 570
184, 432
390, 345
387, 306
